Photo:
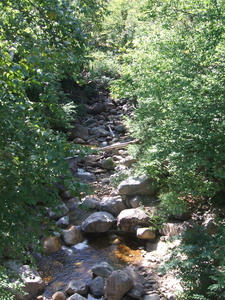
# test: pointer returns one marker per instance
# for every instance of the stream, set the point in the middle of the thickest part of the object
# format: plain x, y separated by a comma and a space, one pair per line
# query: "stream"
71, 263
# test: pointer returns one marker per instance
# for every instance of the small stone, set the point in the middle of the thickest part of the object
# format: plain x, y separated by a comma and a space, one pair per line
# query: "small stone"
59, 296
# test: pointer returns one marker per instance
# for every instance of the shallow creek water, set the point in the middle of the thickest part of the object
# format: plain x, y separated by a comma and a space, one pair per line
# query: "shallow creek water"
71, 263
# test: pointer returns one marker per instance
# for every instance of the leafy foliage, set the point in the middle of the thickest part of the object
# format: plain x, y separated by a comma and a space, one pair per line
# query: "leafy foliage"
200, 264
41, 43
176, 74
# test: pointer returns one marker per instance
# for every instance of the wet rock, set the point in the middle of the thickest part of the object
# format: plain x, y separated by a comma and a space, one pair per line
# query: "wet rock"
137, 186
113, 205
72, 236
118, 284
34, 285
63, 222
77, 286
98, 222
51, 245
58, 212
102, 269
59, 296
145, 233
79, 131
96, 286
129, 219
76, 296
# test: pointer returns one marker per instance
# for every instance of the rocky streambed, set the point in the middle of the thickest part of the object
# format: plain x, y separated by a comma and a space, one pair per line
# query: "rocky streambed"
105, 248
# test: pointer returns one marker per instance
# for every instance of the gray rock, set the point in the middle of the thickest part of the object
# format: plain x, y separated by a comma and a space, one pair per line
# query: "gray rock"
96, 108
91, 202
63, 222
107, 163
77, 286
151, 297
102, 269
145, 233
76, 297
72, 236
118, 284
99, 132
137, 186
120, 128
96, 286
137, 289
79, 131
98, 222
34, 285
172, 229
58, 212
113, 205
129, 219
135, 201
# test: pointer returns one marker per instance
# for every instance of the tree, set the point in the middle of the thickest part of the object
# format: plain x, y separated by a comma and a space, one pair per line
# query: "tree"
42, 42
176, 75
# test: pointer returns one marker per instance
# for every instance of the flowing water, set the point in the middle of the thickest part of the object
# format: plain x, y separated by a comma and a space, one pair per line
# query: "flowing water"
71, 263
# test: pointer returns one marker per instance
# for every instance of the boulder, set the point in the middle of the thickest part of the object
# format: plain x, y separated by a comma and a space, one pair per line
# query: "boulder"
113, 205
137, 289
99, 132
98, 222
129, 219
117, 285
34, 285
145, 233
77, 286
72, 236
142, 186
51, 244
102, 269
79, 131
96, 286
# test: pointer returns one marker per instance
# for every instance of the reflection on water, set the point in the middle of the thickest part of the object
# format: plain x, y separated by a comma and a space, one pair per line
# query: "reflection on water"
71, 263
